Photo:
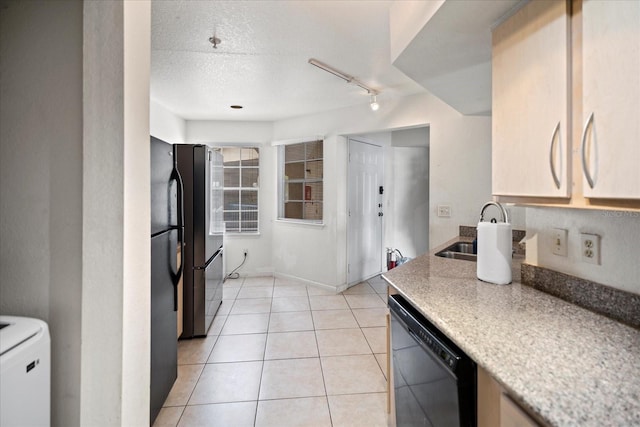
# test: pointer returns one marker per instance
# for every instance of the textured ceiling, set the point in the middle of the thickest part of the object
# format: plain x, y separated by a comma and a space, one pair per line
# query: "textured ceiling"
262, 62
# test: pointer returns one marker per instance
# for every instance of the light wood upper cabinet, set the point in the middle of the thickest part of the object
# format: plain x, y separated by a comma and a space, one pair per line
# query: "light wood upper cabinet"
611, 99
530, 97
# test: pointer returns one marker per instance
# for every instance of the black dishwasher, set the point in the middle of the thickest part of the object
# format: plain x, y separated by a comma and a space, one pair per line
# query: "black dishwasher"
433, 380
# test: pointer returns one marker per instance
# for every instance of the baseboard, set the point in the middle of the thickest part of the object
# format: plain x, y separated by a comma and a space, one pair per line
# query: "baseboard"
348, 285
336, 289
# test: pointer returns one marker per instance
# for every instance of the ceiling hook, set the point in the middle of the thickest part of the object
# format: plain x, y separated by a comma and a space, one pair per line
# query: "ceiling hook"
214, 41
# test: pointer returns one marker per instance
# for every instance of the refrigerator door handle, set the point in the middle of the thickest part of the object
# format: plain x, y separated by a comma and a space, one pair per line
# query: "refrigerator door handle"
209, 261
175, 176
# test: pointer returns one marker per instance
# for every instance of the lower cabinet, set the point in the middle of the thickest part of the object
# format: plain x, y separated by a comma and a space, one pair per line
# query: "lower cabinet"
495, 407
511, 415
489, 392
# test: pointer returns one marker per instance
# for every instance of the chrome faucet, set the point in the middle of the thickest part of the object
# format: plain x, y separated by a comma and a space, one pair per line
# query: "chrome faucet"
505, 216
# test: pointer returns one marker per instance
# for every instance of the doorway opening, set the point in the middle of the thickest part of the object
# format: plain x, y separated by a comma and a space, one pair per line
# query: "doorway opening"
387, 199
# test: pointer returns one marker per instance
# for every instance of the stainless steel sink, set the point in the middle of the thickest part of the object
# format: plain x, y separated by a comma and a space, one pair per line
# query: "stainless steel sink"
462, 247
457, 255
459, 250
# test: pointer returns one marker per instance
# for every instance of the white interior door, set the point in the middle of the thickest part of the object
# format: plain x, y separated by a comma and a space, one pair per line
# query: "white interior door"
365, 211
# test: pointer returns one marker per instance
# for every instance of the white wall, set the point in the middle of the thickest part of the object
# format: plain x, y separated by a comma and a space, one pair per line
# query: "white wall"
136, 253
310, 252
410, 233
460, 175
41, 182
620, 244
116, 215
259, 259
74, 198
415, 137
166, 125
206, 131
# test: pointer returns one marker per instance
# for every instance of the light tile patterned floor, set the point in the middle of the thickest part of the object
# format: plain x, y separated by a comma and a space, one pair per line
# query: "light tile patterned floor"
281, 353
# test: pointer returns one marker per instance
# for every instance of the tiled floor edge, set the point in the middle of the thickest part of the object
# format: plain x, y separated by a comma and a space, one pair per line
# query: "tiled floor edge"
611, 302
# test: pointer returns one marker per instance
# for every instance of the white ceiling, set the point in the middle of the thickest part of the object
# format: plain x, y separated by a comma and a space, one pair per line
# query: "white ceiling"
262, 62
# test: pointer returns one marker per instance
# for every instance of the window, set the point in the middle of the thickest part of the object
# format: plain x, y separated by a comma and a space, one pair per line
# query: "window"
241, 173
301, 171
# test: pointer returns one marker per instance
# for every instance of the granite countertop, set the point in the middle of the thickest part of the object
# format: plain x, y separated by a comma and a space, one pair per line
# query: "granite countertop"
567, 365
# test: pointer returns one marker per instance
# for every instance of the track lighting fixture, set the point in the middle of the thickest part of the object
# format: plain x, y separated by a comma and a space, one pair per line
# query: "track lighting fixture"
349, 79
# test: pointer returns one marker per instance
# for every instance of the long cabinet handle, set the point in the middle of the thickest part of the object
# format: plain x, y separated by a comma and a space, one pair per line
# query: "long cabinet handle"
552, 165
583, 149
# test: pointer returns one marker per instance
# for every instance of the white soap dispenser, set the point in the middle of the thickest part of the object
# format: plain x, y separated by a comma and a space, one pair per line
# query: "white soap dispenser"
494, 248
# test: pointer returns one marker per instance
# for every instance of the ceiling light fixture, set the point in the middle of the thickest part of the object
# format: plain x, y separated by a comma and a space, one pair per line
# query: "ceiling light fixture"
374, 103
348, 79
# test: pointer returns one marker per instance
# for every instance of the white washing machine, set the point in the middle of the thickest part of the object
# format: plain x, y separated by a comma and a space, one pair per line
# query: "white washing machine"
25, 372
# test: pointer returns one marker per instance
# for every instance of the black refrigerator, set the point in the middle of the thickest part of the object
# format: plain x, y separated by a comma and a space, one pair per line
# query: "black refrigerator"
167, 232
201, 169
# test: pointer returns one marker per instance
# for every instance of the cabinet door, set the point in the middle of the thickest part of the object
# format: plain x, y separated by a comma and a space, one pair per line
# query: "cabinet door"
530, 89
610, 149
511, 415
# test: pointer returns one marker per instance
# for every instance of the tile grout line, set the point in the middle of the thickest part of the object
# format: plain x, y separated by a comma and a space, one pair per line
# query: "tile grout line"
315, 334
264, 354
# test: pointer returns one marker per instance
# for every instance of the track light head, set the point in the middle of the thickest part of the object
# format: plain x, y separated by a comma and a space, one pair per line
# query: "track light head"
374, 103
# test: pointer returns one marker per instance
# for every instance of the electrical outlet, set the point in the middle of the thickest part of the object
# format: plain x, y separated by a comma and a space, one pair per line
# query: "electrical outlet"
590, 248
444, 211
559, 242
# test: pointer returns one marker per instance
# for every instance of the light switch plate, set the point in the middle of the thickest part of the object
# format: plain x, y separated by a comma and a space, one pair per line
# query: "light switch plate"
559, 242
444, 211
